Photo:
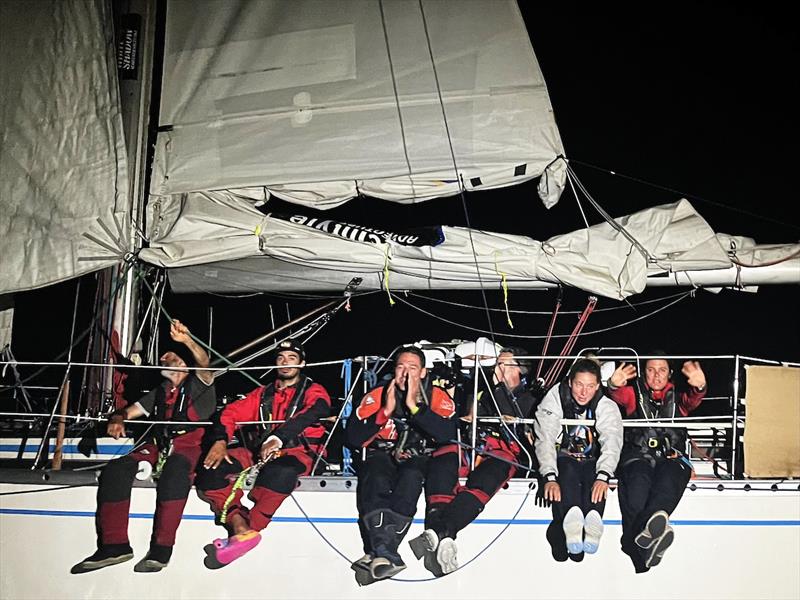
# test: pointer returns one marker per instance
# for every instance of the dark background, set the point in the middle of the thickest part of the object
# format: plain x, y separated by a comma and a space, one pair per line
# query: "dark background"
700, 99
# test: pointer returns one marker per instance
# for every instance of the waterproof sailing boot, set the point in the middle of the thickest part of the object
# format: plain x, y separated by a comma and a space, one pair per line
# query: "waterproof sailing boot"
386, 530
362, 571
106, 555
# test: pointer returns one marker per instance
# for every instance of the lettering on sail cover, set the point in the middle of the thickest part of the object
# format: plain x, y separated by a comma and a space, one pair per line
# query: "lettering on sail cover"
128, 46
419, 236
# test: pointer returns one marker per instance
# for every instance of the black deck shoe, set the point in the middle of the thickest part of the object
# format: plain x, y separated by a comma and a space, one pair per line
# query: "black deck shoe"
156, 559
106, 556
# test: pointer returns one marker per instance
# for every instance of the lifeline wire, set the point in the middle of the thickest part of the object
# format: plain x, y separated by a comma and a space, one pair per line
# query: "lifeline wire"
539, 337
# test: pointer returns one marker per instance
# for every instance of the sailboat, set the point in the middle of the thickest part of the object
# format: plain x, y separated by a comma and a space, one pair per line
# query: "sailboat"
315, 103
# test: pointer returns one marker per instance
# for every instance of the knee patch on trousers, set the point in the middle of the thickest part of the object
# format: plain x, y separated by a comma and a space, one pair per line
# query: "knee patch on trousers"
216, 479
488, 477
116, 480
175, 480
279, 477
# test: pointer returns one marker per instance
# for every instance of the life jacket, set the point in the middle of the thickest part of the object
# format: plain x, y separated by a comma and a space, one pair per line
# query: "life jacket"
267, 409
399, 435
655, 441
174, 411
578, 441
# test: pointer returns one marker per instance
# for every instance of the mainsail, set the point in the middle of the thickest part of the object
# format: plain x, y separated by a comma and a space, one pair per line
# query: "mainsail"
317, 102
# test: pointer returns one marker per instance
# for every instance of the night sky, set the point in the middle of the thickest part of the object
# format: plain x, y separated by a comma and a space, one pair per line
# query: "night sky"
701, 100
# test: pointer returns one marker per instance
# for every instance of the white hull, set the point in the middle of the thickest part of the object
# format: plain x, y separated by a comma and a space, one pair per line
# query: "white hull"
729, 544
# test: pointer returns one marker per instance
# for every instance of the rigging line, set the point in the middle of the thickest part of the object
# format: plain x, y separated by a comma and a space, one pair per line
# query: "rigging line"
683, 194
397, 99
50, 489
539, 337
545, 312
607, 217
577, 200
63, 392
503, 421
550, 331
558, 365
777, 261
455, 170
161, 309
88, 329
333, 547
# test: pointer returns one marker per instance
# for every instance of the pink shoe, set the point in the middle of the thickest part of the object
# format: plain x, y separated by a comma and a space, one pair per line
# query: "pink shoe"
225, 551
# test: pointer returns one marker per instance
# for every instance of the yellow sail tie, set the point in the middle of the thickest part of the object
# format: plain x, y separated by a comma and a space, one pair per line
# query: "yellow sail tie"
504, 284
386, 275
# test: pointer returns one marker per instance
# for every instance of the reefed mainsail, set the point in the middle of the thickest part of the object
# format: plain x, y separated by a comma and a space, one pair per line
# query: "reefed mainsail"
324, 254
317, 102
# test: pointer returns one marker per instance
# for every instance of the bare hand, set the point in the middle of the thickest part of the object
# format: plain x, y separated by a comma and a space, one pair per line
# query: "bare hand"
622, 374
179, 332
269, 447
217, 453
694, 374
412, 390
552, 491
599, 491
116, 426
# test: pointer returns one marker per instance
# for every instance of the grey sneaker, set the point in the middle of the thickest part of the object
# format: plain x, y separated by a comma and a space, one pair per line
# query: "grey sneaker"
654, 528
656, 552
104, 557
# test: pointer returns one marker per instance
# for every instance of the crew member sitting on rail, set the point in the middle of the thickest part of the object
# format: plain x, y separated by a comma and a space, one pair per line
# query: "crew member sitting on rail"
401, 424
500, 445
653, 471
576, 461
283, 452
173, 453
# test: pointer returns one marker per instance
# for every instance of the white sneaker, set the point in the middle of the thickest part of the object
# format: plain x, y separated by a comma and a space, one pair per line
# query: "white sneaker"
573, 530
446, 556
593, 531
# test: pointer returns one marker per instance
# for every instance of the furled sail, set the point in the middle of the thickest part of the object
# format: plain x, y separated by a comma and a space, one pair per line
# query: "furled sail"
63, 161
285, 252
317, 102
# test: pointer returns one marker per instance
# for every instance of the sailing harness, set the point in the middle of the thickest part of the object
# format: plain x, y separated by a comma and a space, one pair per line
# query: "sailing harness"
409, 441
578, 441
245, 480
165, 435
265, 411
654, 405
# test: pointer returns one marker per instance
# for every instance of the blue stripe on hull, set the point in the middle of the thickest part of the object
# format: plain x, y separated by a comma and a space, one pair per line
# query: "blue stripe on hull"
107, 450
353, 520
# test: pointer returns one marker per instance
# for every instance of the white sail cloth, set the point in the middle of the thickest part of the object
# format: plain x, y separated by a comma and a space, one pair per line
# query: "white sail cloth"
211, 227
318, 102
63, 162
